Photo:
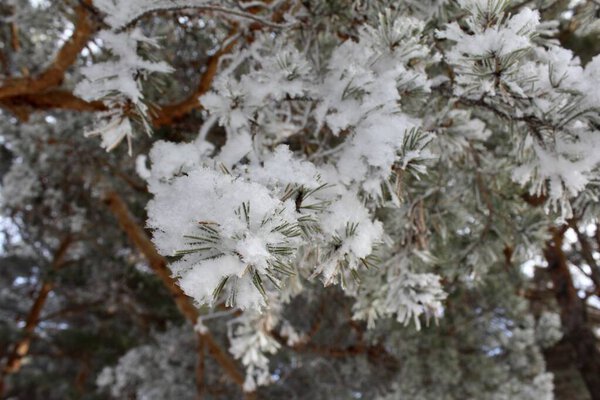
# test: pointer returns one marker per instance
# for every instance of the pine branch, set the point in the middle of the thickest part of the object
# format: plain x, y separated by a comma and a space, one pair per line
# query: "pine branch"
158, 264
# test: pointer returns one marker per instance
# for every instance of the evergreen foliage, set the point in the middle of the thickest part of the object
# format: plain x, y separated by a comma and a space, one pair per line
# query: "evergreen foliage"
318, 199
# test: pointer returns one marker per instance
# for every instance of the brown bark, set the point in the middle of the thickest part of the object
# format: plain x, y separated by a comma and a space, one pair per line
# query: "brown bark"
22, 104
54, 74
587, 253
21, 96
52, 99
82, 376
21, 348
173, 112
568, 382
200, 384
573, 315
14, 39
158, 264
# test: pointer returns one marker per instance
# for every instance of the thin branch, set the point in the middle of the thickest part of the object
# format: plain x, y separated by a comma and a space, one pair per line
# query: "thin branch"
21, 348
361, 348
14, 35
200, 384
215, 9
173, 112
588, 255
74, 309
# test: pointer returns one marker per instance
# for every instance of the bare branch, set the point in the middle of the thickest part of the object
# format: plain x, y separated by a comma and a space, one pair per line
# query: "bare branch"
273, 23
200, 384
54, 74
588, 255
173, 112
21, 348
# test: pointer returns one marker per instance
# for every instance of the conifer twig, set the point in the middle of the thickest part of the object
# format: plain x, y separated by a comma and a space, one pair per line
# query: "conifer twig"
158, 264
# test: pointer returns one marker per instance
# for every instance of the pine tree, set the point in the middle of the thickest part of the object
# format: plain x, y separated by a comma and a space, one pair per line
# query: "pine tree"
316, 199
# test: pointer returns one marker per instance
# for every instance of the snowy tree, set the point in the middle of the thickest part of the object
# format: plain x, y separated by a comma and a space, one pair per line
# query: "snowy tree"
316, 199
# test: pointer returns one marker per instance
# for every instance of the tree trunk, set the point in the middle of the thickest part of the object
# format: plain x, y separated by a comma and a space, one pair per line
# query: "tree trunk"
573, 315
